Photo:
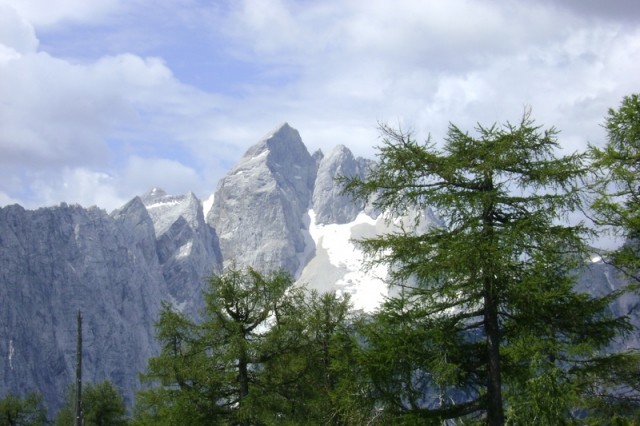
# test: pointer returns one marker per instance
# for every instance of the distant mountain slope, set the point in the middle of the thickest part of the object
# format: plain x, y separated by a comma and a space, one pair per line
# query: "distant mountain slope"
188, 249
55, 261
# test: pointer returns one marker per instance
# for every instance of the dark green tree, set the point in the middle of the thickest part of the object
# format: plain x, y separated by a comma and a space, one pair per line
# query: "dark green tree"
617, 207
266, 353
308, 362
487, 325
617, 204
210, 372
102, 405
27, 411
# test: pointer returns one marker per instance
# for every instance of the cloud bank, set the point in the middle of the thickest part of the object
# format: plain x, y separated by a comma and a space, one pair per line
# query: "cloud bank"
100, 101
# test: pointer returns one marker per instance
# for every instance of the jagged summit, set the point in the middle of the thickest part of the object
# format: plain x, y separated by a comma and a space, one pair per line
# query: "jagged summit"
152, 195
329, 204
165, 209
281, 129
259, 205
281, 148
275, 139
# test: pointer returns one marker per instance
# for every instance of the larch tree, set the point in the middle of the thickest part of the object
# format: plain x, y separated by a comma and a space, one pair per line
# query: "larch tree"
209, 371
102, 405
265, 352
26, 411
616, 207
487, 324
617, 204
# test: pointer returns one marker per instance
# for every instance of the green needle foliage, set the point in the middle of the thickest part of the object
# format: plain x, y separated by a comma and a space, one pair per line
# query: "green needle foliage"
27, 411
487, 326
102, 405
617, 204
209, 372
266, 353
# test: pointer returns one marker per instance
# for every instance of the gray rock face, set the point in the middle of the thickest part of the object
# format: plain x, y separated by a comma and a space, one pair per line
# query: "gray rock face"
599, 279
259, 205
329, 204
187, 248
55, 261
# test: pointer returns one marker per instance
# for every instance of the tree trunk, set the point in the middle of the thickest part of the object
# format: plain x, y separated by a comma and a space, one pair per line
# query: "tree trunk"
495, 412
243, 379
78, 420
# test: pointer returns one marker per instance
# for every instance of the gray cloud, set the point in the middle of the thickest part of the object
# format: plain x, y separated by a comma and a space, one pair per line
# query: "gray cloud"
617, 10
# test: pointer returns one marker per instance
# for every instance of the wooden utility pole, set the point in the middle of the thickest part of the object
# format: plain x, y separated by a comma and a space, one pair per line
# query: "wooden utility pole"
78, 416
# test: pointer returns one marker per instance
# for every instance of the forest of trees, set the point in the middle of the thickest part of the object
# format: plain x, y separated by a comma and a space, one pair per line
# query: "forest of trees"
486, 326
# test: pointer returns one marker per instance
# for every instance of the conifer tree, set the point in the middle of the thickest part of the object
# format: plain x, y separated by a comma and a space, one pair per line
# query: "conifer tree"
617, 207
487, 324
102, 405
26, 411
265, 353
213, 371
310, 348
617, 204
208, 371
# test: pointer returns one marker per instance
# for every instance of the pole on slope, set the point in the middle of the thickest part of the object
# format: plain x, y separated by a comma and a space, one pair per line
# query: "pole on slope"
78, 404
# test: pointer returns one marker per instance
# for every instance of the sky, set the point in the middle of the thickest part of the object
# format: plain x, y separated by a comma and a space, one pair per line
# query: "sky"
103, 100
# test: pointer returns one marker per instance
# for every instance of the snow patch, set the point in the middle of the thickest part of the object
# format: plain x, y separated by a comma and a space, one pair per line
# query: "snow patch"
185, 250
334, 245
11, 353
168, 203
261, 155
208, 204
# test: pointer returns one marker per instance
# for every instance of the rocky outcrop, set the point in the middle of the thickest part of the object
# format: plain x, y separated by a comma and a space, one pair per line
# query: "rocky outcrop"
259, 205
56, 261
187, 248
598, 278
329, 203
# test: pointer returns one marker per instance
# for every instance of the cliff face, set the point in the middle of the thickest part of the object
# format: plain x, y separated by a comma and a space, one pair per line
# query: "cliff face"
56, 261
329, 204
259, 205
116, 269
187, 248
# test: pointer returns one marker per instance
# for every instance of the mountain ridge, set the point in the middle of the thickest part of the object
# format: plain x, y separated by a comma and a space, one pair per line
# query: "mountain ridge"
278, 207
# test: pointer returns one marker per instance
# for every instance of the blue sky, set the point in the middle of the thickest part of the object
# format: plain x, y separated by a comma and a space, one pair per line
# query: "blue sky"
101, 100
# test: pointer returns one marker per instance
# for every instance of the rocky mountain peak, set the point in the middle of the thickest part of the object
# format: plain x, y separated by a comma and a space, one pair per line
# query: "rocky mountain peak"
152, 195
329, 204
259, 205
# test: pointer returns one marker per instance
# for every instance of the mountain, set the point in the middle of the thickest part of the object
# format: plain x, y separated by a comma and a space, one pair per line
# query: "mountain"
279, 207
328, 202
259, 205
187, 248
56, 261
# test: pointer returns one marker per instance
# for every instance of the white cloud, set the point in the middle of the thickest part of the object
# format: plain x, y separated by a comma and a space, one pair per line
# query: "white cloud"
425, 63
15, 32
76, 186
142, 174
332, 69
57, 12
62, 119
